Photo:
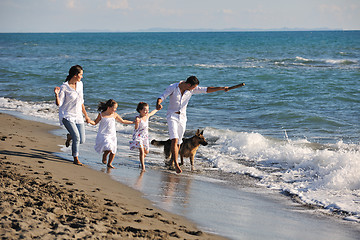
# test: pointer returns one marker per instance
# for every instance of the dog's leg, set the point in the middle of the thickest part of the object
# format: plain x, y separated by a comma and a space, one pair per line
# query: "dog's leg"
167, 152
192, 162
182, 159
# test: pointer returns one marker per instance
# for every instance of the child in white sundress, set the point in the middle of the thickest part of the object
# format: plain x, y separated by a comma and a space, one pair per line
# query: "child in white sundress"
106, 141
141, 133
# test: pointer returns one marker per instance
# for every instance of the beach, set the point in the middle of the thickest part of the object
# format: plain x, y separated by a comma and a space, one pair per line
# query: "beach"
44, 196
282, 161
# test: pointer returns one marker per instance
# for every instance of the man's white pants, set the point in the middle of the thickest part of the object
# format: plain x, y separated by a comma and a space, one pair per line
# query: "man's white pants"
177, 127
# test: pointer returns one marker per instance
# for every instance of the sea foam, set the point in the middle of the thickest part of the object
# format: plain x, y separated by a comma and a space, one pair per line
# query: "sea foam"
322, 175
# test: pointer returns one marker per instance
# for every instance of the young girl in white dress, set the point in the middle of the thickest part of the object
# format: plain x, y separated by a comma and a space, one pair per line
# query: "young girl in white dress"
141, 133
106, 141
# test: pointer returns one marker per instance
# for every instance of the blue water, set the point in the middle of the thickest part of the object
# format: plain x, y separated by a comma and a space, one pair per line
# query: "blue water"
294, 127
304, 82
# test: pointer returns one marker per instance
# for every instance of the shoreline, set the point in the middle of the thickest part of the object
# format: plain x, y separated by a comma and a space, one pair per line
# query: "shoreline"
47, 196
43, 195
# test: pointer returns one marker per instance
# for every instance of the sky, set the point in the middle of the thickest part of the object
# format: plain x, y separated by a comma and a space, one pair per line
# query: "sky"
141, 15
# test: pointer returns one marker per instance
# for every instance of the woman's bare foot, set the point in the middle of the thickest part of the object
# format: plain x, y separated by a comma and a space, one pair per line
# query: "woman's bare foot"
68, 139
110, 166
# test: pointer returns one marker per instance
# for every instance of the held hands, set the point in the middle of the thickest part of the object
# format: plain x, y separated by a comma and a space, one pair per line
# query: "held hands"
91, 122
159, 106
88, 120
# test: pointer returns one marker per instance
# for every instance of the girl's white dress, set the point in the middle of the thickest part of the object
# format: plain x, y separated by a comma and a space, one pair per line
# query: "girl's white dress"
106, 137
141, 136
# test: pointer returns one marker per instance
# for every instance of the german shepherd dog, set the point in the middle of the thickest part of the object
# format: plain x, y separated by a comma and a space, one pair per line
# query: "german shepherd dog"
188, 147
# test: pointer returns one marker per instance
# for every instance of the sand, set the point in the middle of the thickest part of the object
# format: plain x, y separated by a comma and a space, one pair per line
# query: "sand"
46, 197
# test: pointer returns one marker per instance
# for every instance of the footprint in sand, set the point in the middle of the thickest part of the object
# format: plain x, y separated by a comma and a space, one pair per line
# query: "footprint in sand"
110, 203
97, 190
130, 213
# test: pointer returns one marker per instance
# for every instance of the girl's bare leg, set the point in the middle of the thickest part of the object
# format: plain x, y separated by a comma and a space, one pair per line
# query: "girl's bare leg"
104, 158
142, 158
111, 158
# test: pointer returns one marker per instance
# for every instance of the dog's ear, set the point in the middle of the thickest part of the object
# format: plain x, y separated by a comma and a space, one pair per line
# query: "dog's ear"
202, 132
198, 132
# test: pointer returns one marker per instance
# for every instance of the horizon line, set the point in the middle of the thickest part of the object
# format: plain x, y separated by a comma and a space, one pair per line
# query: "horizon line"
174, 30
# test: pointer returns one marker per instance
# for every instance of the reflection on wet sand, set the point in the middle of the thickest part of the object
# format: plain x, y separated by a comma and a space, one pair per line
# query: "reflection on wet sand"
175, 190
138, 184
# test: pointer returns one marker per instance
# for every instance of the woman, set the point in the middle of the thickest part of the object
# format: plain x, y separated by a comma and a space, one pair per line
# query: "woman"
70, 99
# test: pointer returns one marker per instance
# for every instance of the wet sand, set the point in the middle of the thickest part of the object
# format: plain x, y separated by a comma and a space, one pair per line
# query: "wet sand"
47, 197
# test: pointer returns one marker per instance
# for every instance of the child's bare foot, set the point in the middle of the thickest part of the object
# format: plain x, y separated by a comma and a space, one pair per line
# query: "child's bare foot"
68, 139
110, 166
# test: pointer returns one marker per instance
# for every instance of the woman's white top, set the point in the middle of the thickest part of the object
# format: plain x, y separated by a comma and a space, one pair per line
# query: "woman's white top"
70, 103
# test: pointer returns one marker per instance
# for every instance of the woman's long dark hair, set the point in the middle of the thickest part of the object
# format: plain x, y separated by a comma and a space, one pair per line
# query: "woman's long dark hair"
103, 106
74, 70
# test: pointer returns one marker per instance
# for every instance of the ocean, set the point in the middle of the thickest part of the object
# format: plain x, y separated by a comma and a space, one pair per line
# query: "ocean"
292, 130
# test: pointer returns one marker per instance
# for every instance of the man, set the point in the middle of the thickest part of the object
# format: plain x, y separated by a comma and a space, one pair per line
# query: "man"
180, 94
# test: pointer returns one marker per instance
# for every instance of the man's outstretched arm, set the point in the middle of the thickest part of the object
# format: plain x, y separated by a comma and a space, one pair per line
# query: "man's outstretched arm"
215, 89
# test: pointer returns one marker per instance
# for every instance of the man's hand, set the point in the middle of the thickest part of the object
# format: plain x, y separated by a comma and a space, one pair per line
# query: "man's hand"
235, 86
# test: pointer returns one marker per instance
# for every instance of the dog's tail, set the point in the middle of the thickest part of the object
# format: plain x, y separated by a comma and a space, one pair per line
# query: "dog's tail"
158, 143
166, 144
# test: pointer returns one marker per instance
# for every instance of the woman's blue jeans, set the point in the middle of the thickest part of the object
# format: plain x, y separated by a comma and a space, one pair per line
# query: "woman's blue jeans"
77, 132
